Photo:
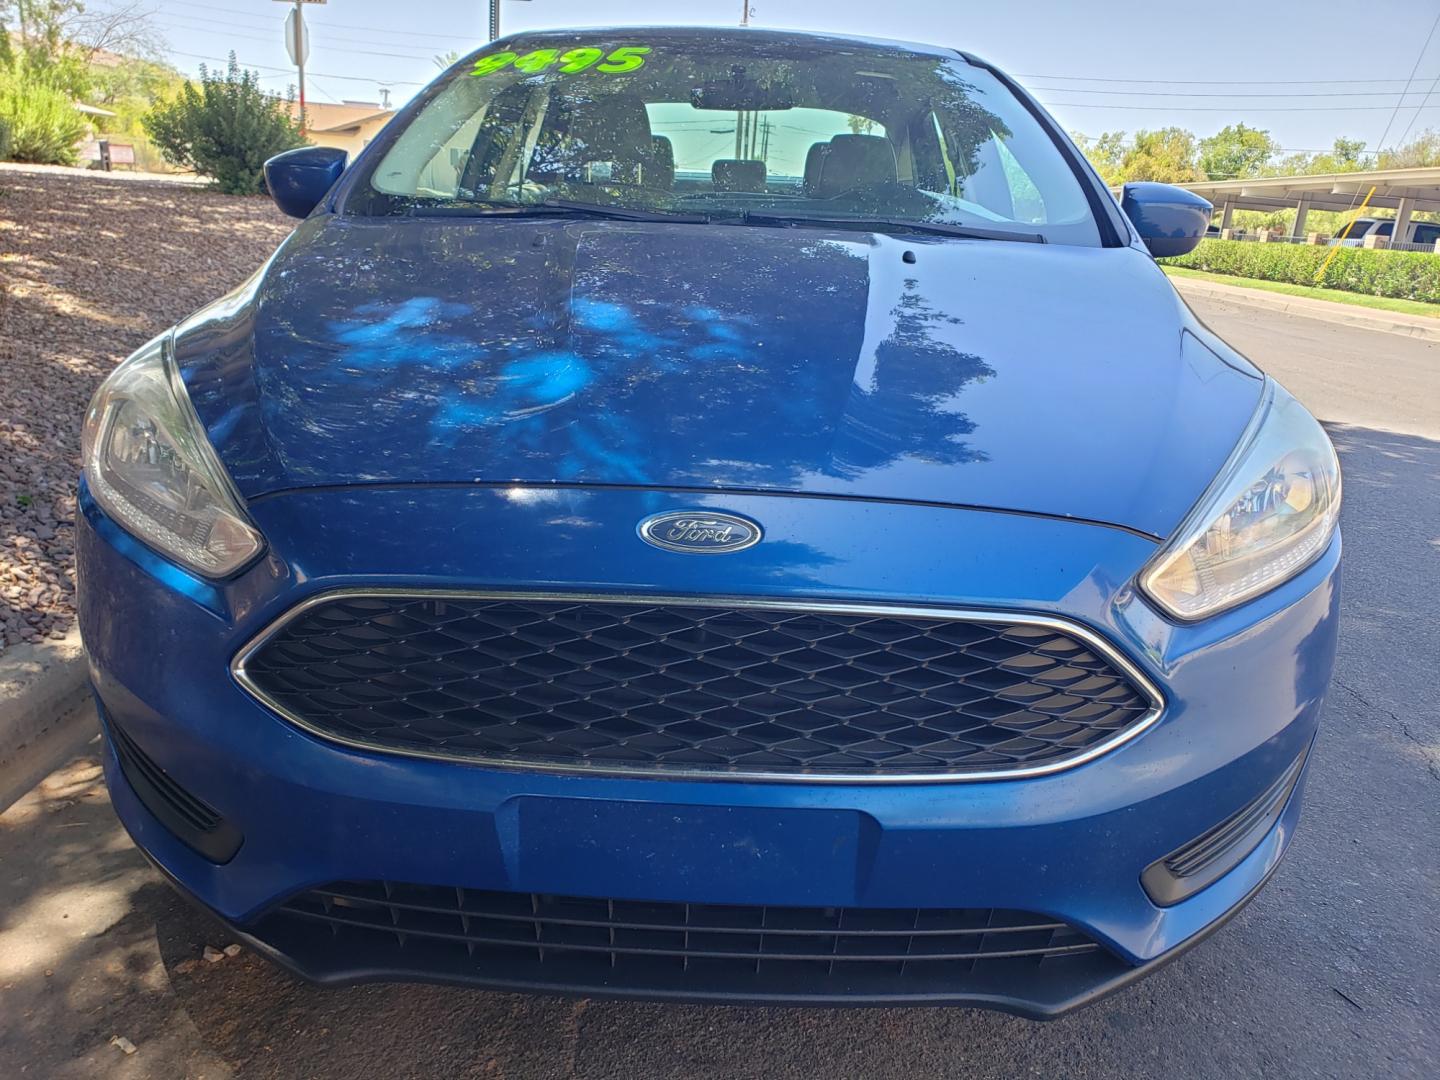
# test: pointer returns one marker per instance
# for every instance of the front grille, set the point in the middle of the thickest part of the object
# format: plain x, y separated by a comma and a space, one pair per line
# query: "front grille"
379, 929
672, 685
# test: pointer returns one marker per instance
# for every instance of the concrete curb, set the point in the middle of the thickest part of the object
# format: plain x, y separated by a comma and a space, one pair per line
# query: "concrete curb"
1414, 326
45, 713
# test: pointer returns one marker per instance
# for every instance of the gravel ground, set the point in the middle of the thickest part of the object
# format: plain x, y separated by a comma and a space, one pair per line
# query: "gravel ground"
89, 269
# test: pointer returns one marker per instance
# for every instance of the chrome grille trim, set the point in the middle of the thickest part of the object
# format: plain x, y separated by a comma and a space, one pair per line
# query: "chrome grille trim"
1109, 652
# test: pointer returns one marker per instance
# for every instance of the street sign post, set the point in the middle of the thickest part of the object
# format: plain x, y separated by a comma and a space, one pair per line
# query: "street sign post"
297, 44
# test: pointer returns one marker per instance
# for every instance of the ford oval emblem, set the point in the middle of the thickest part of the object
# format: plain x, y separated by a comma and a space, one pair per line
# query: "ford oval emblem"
700, 532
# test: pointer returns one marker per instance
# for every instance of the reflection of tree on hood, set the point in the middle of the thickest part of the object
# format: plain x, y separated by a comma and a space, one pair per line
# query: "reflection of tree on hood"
715, 357
905, 411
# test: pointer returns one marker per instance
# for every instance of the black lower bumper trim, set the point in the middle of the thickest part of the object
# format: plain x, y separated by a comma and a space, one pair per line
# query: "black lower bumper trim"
357, 931
1053, 1006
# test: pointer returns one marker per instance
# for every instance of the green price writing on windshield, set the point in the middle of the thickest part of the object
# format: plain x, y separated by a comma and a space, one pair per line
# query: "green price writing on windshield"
619, 61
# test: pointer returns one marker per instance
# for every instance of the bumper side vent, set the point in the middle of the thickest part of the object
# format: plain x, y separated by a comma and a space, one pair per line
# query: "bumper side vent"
1214, 853
195, 823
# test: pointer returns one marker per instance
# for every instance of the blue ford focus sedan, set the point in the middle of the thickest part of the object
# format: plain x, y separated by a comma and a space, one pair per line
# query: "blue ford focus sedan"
711, 515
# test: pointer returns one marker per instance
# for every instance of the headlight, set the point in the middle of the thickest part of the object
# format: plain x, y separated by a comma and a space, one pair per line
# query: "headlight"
1269, 514
149, 467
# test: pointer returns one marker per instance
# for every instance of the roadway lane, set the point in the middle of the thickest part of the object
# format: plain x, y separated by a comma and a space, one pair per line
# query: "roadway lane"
1332, 972
1343, 373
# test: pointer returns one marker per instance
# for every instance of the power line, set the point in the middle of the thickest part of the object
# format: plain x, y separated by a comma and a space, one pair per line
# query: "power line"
1423, 103
206, 23
1215, 82
230, 33
1409, 79
1203, 94
291, 71
1219, 108
342, 26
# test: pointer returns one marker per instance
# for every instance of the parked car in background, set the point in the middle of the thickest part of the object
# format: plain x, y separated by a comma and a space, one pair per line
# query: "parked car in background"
712, 515
1416, 232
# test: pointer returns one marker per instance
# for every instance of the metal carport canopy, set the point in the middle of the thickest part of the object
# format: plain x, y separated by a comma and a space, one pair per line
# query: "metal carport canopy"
1326, 191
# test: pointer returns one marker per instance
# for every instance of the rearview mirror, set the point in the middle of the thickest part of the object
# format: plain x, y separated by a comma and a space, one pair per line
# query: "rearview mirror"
299, 179
1169, 219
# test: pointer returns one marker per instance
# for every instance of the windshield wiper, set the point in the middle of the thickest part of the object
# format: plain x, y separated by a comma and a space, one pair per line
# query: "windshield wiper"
626, 213
555, 208
937, 228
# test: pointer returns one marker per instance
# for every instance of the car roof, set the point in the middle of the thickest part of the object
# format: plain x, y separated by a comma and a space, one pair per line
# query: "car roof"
740, 34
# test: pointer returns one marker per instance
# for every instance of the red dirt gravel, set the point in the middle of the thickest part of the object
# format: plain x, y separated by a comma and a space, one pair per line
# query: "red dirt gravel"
90, 268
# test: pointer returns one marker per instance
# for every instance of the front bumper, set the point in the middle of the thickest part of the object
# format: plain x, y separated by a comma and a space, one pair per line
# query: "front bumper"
1243, 692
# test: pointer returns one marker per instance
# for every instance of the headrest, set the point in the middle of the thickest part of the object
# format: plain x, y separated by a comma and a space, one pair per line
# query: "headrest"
812, 166
856, 161
730, 174
661, 172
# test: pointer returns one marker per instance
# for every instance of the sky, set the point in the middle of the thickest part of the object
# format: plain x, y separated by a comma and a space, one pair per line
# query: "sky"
1306, 70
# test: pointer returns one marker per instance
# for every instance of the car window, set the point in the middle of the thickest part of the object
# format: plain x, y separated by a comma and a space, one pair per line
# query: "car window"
781, 141
718, 126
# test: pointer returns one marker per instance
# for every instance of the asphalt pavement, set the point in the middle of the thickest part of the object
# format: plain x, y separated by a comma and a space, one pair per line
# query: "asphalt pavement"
1334, 971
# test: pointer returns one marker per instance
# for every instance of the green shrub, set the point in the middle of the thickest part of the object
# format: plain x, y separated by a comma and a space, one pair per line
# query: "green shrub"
4, 138
44, 127
224, 130
1402, 275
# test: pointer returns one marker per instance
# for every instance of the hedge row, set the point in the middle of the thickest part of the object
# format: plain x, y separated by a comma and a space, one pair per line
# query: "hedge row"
1402, 275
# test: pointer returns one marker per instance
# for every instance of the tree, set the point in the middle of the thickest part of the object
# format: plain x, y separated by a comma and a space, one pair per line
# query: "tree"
224, 130
1106, 153
58, 39
1166, 155
1347, 153
1422, 152
1344, 157
1236, 151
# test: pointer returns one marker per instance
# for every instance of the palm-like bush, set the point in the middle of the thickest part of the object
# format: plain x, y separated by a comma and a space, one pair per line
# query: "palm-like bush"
43, 124
225, 129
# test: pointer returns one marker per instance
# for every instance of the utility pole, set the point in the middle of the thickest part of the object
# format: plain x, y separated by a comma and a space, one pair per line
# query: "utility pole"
494, 19
744, 12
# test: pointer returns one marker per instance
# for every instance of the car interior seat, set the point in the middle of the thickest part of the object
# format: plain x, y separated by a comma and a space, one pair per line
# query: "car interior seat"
856, 161
731, 174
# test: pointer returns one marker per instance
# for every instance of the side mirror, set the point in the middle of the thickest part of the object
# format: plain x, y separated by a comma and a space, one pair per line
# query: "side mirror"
1169, 219
299, 179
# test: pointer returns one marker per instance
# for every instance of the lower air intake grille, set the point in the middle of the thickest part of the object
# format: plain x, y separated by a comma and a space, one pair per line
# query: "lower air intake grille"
744, 688
1217, 851
370, 929
194, 822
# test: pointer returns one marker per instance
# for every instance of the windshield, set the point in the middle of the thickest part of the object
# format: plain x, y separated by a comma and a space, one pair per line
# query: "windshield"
723, 125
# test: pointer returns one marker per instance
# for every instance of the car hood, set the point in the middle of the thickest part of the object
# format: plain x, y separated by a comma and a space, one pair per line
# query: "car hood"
1021, 377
